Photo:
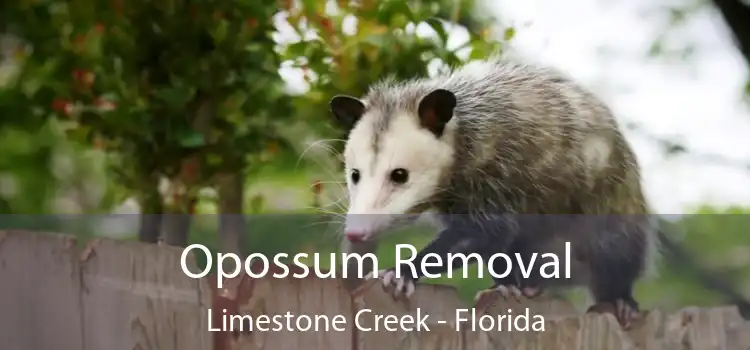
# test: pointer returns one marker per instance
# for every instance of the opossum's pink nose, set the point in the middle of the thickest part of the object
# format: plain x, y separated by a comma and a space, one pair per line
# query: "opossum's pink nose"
355, 236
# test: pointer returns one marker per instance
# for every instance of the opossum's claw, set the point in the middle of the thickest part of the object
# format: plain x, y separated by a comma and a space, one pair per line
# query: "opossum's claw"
626, 312
487, 297
506, 291
531, 292
402, 286
513, 291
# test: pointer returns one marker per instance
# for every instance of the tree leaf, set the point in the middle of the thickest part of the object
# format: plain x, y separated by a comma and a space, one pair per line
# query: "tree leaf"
220, 31
175, 96
191, 139
437, 25
377, 40
510, 33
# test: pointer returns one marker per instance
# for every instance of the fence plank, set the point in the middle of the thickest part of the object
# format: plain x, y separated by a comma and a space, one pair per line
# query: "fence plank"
691, 328
137, 297
707, 328
441, 316
550, 308
132, 296
306, 296
39, 292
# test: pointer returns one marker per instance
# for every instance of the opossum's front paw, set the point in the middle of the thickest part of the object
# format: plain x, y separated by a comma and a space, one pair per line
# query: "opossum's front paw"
625, 311
398, 287
487, 297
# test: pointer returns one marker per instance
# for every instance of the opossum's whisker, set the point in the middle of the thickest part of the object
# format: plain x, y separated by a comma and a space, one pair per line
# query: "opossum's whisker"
337, 227
340, 203
332, 150
329, 205
330, 182
341, 207
327, 212
337, 204
336, 232
318, 223
325, 167
322, 143
322, 208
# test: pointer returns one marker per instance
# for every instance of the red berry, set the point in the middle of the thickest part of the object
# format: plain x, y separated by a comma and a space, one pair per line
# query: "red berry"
86, 77
327, 24
62, 105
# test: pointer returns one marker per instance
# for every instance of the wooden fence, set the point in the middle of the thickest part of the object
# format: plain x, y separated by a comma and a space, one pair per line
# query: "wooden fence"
115, 295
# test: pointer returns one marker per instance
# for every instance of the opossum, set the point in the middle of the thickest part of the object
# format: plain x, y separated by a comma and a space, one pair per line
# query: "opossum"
513, 158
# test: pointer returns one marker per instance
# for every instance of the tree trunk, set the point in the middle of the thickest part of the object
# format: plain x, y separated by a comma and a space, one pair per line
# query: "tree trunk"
736, 14
175, 226
152, 207
232, 225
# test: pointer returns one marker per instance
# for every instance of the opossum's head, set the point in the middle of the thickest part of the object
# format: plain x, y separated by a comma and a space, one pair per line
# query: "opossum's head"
396, 157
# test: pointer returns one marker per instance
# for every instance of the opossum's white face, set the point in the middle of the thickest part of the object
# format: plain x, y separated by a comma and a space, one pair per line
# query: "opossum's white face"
394, 162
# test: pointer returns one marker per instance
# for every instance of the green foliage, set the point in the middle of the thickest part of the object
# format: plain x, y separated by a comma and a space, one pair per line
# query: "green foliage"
718, 239
186, 89
161, 87
383, 45
38, 164
22, 188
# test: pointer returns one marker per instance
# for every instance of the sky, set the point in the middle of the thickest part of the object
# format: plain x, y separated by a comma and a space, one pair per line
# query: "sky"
697, 102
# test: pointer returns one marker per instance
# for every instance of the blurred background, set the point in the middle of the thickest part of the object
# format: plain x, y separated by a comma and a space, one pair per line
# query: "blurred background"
109, 109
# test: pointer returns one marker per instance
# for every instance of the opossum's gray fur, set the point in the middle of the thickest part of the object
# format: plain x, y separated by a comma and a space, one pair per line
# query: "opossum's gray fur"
521, 133
526, 128
526, 139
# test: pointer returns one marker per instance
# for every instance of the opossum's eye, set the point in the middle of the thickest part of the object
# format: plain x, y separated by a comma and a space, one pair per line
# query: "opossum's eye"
399, 176
355, 176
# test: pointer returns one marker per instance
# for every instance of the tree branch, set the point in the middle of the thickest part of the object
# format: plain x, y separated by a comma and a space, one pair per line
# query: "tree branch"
675, 148
737, 17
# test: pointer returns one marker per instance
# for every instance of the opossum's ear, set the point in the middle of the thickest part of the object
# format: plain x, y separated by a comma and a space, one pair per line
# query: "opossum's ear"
346, 109
436, 109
